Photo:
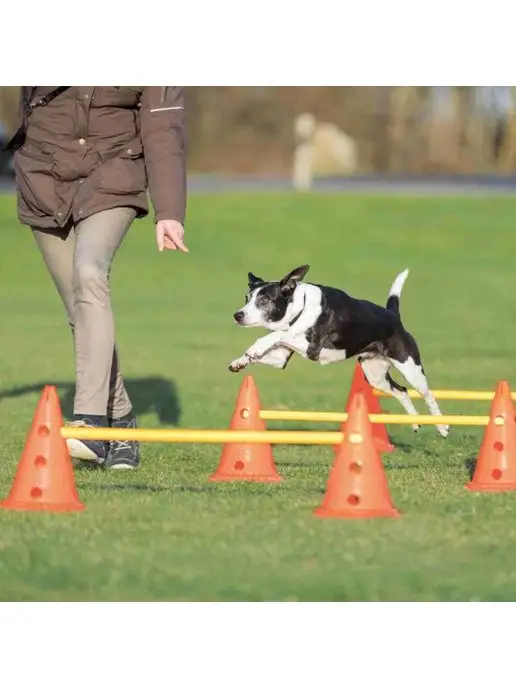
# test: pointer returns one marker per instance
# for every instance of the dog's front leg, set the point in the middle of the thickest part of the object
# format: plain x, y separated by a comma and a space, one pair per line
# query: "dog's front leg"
296, 342
277, 357
255, 352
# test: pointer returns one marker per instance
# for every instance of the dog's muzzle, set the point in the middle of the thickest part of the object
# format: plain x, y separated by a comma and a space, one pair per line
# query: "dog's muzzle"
239, 316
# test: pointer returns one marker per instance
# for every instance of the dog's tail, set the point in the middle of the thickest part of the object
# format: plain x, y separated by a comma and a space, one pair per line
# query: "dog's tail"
393, 300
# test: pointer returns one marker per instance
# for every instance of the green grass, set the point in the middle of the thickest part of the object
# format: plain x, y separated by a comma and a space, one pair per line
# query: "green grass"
165, 532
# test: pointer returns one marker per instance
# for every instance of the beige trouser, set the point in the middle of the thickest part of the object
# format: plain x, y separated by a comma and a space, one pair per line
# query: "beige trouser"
79, 261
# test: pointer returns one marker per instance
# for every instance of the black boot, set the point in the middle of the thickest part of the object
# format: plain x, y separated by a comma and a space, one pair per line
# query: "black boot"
123, 454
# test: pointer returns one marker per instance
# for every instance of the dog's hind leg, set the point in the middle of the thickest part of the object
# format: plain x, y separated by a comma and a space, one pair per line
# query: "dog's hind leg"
414, 374
376, 371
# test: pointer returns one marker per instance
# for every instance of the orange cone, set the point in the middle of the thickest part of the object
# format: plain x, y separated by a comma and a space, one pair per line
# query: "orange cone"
362, 386
247, 461
357, 486
496, 464
44, 479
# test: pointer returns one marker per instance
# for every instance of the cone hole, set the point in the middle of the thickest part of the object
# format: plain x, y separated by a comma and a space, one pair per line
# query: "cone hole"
496, 474
244, 413
238, 465
40, 461
498, 446
36, 492
355, 467
499, 420
353, 500
43, 431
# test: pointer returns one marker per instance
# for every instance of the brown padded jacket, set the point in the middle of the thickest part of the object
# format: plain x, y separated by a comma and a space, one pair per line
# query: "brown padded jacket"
100, 147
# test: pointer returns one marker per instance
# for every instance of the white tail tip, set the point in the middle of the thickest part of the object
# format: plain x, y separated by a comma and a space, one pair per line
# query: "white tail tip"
398, 283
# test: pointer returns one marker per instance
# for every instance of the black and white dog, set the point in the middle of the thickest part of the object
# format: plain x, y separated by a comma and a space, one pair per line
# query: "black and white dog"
326, 325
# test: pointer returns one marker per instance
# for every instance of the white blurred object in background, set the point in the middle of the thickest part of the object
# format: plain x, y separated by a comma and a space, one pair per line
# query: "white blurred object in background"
322, 149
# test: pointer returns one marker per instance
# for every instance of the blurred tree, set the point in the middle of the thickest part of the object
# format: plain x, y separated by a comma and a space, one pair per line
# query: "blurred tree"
506, 162
397, 129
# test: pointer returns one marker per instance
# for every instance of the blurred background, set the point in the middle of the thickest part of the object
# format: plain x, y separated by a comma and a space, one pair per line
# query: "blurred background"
301, 133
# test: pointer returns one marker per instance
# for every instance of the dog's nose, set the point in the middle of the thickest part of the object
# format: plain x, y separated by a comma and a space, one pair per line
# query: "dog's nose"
239, 316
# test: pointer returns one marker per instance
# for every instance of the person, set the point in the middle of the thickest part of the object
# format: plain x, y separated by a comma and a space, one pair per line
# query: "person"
87, 158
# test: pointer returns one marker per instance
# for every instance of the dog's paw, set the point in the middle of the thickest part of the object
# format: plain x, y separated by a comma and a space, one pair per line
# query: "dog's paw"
254, 353
443, 430
238, 364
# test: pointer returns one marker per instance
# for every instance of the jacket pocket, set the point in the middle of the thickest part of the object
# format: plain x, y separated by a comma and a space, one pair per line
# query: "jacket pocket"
35, 183
124, 174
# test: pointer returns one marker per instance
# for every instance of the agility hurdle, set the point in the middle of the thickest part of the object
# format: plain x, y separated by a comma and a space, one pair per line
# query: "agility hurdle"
172, 435
357, 486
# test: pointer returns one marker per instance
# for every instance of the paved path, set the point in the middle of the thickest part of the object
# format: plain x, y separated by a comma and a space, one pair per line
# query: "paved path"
400, 185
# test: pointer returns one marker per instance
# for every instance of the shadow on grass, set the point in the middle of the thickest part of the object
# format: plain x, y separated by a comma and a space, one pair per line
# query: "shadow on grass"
470, 465
148, 395
156, 488
324, 465
175, 489
302, 464
110, 487
406, 448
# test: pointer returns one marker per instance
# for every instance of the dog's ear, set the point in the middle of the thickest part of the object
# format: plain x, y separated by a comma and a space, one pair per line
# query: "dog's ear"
289, 282
253, 281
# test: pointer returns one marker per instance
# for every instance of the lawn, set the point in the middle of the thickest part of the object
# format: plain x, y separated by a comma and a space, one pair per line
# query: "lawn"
166, 533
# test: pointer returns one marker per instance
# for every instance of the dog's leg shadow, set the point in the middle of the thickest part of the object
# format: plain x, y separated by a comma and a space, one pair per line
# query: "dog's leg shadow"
470, 465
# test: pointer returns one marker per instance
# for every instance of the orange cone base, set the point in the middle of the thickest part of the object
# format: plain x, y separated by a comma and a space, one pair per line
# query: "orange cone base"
490, 487
251, 463
39, 506
321, 512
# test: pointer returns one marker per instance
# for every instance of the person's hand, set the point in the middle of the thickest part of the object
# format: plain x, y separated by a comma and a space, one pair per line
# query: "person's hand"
169, 235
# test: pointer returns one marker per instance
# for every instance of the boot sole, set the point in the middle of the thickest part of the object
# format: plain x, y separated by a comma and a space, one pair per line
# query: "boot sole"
78, 450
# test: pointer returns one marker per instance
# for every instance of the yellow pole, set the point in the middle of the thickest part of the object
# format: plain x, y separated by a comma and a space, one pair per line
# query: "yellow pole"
452, 394
258, 436
397, 419
204, 436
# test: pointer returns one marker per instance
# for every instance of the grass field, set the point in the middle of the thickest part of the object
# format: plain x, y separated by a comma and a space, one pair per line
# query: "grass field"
164, 532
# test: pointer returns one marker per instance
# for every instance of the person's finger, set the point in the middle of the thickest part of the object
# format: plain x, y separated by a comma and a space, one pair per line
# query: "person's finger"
180, 245
159, 239
169, 244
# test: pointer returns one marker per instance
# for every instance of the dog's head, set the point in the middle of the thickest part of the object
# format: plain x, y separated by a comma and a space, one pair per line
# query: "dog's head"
270, 304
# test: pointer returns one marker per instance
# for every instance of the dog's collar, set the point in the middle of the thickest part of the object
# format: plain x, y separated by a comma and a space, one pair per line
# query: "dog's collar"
296, 317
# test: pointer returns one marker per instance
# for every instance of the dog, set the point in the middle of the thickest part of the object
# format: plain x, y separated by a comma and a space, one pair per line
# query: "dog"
326, 325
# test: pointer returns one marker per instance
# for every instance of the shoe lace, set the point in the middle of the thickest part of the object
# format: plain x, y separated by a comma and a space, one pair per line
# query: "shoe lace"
78, 424
121, 444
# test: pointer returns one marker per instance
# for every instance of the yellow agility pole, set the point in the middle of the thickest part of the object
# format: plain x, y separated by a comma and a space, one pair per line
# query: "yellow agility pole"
173, 435
451, 394
203, 436
397, 419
